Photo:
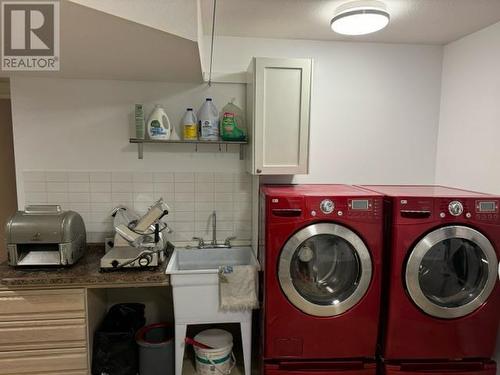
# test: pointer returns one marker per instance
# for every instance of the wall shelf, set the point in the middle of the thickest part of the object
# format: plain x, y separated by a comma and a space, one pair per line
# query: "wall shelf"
140, 144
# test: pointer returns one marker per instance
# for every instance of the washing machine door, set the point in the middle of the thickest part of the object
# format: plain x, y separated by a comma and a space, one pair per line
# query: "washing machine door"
451, 271
324, 269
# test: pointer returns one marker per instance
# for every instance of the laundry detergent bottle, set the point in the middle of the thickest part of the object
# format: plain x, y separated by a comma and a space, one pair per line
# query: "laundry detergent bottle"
232, 125
159, 127
208, 120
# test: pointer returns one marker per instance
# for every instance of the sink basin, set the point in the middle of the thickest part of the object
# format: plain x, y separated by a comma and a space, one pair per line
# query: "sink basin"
203, 261
195, 283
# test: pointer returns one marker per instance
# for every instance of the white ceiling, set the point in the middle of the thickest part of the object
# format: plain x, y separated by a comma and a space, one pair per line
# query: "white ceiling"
98, 45
412, 21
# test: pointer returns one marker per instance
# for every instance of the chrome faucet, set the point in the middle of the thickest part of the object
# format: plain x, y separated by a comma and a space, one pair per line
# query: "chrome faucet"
214, 243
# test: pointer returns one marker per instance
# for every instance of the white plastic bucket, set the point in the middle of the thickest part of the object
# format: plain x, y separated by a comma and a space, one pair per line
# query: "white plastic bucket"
217, 361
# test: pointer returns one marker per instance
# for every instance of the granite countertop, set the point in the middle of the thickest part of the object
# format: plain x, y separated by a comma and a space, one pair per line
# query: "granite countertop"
86, 272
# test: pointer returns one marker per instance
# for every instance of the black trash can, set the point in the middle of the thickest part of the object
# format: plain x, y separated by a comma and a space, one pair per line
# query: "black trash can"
115, 349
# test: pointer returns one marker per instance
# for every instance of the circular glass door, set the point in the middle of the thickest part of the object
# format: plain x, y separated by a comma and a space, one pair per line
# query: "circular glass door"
324, 269
451, 271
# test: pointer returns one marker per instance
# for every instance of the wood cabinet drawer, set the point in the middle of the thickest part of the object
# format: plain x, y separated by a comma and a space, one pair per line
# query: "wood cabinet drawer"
43, 334
57, 361
41, 304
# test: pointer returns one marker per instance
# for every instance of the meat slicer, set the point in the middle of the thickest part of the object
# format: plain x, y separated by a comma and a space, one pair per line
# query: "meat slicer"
138, 241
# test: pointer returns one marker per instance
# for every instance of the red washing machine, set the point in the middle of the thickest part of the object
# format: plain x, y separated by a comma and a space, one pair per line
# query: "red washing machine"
321, 258
443, 302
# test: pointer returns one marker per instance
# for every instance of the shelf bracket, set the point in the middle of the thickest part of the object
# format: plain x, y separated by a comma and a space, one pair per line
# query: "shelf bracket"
242, 152
140, 150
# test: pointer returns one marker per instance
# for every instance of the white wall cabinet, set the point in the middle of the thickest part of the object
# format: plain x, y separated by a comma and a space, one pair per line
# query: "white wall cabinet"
278, 105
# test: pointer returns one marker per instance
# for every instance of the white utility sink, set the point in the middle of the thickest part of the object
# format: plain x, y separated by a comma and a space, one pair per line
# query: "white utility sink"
195, 281
195, 290
202, 261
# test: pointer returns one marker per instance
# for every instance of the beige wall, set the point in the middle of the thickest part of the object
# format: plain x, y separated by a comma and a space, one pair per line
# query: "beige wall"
8, 198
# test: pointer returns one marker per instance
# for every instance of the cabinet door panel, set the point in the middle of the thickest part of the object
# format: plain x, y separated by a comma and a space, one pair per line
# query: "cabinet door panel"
66, 361
281, 117
41, 304
43, 334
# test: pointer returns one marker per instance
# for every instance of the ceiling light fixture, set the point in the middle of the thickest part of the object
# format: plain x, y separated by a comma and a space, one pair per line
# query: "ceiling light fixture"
360, 18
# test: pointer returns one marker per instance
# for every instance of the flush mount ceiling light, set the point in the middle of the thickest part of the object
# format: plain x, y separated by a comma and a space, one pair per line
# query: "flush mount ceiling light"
360, 18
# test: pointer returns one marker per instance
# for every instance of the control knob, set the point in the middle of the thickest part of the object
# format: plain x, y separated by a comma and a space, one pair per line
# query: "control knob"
327, 206
456, 208
144, 260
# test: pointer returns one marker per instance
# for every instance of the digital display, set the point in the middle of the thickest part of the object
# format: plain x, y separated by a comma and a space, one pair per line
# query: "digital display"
359, 205
487, 206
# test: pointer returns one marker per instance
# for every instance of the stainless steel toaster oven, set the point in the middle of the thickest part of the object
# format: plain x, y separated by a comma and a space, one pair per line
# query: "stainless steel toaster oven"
45, 236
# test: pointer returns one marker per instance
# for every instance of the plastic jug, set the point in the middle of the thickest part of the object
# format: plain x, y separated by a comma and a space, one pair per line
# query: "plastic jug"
233, 123
159, 127
208, 120
189, 126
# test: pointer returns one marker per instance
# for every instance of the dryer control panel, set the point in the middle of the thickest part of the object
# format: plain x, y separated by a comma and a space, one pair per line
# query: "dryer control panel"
447, 209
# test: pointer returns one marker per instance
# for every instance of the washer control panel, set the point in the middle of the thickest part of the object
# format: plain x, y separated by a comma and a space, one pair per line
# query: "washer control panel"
327, 206
487, 210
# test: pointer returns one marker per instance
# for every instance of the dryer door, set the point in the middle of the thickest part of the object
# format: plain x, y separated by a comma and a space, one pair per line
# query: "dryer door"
451, 271
324, 269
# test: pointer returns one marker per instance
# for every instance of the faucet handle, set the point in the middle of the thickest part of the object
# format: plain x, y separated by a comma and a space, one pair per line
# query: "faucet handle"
200, 240
228, 240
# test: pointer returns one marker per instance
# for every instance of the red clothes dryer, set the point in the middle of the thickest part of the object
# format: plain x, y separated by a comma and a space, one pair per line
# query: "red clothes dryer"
443, 301
321, 258
441, 368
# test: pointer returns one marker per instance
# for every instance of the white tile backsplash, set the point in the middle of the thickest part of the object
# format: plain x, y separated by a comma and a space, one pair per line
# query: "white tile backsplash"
204, 177
224, 177
163, 187
35, 187
183, 177
100, 187
121, 176
57, 187
79, 197
141, 186
146, 177
78, 187
78, 177
35, 197
184, 187
192, 197
56, 176
57, 198
33, 176
163, 177
121, 187
100, 176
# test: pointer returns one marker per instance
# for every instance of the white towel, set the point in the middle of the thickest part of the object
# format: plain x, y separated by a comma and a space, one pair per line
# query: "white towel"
238, 287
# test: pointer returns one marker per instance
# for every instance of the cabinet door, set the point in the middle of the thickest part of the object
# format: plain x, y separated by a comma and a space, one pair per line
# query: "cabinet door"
280, 115
43, 334
17, 305
53, 361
